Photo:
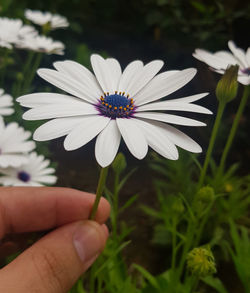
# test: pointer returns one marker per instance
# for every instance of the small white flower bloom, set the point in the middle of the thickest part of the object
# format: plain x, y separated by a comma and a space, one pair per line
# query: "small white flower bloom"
34, 172
12, 31
43, 44
41, 18
221, 60
14, 144
111, 105
6, 103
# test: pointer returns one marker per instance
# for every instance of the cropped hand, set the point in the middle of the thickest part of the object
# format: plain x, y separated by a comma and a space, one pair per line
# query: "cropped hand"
54, 262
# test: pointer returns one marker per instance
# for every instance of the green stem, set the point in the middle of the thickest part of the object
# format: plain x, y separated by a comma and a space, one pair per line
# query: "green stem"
3, 69
234, 129
29, 78
28, 62
187, 245
99, 192
115, 207
211, 143
174, 244
202, 224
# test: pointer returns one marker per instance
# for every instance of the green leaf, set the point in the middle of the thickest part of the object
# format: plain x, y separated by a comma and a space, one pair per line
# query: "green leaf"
128, 203
123, 181
114, 254
150, 278
215, 283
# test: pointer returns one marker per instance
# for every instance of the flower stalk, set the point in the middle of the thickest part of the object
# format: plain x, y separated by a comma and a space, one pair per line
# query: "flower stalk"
99, 192
234, 128
219, 115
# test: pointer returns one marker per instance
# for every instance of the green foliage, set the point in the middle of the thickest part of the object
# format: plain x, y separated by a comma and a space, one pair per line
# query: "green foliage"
241, 253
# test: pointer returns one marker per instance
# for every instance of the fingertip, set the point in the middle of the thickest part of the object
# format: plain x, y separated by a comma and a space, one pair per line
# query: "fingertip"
103, 211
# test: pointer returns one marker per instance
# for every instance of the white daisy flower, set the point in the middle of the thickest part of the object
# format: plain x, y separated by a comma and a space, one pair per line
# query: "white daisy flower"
221, 60
12, 31
6, 103
43, 44
34, 172
14, 144
111, 105
41, 18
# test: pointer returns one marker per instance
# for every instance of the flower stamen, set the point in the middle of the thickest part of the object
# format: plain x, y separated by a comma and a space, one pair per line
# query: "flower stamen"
116, 105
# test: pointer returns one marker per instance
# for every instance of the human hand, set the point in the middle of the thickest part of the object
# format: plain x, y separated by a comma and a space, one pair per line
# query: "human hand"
55, 262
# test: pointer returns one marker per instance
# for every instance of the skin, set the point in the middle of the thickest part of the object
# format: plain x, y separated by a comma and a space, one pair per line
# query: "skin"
52, 263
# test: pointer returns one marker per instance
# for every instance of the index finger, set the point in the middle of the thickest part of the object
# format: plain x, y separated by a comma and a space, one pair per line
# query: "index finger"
27, 209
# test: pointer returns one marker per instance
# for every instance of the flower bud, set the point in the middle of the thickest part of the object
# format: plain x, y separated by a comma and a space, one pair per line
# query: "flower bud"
228, 187
201, 262
119, 163
206, 194
203, 198
227, 87
177, 206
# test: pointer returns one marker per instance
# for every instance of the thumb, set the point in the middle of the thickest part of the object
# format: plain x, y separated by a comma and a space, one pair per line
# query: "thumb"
55, 262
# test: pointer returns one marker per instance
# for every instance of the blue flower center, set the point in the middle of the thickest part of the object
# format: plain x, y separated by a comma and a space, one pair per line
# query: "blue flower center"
23, 176
246, 70
116, 106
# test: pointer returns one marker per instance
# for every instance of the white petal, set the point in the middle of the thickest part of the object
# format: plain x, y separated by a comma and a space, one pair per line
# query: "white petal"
244, 80
68, 84
169, 118
85, 131
248, 56
12, 160
133, 137
173, 106
163, 85
128, 74
229, 57
6, 111
142, 77
42, 99
158, 140
102, 73
80, 73
2, 125
25, 147
56, 111
212, 60
190, 99
48, 179
178, 137
56, 128
238, 53
107, 144
6, 100
115, 71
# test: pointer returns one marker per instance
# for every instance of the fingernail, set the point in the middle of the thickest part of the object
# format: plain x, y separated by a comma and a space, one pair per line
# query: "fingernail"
88, 240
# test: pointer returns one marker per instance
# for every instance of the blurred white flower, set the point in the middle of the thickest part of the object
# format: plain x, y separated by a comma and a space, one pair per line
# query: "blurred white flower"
34, 172
41, 18
14, 144
12, 31
43, 44
111, 104
6, 103
221, 60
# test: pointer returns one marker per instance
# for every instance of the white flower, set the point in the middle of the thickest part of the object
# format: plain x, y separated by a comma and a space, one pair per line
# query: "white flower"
41, 18
111, 104
43, 44
12, 31
6, 103
221, 60
33, 173
14, 144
